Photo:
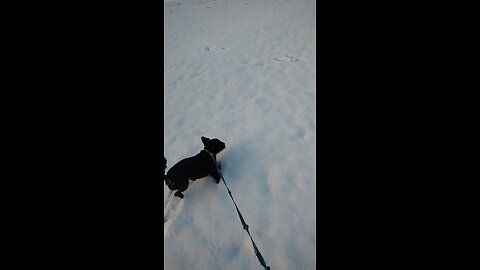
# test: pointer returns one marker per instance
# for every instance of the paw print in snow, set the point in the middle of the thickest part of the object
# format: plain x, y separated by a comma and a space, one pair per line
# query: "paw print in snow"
213, 49
286, 58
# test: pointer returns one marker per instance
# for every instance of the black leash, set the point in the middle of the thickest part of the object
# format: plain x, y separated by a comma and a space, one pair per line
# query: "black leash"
244, 224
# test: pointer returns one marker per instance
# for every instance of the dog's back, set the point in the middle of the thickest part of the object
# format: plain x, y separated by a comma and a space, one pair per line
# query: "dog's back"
193, 168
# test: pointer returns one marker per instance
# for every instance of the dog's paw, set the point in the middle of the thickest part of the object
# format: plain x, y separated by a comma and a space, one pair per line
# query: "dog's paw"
179, 194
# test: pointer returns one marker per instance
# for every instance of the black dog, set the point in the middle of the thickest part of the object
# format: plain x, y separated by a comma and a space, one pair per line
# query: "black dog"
196, 167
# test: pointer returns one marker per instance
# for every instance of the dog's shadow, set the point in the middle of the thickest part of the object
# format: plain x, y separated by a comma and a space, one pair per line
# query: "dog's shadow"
242, 162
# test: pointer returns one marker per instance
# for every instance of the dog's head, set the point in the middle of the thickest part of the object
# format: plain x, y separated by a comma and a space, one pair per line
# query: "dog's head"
213, 145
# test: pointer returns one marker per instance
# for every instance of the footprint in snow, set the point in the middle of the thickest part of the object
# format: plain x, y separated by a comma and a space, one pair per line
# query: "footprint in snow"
286, 59
171, 208
211, 49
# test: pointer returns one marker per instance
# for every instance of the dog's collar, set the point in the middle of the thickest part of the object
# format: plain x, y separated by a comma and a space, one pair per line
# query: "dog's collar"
210, 153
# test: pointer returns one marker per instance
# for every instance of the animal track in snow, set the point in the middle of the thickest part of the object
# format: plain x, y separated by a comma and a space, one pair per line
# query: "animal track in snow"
212, 49
286, 58
171, 207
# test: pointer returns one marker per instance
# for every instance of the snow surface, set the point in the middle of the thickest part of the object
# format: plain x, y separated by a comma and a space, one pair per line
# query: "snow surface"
242, 71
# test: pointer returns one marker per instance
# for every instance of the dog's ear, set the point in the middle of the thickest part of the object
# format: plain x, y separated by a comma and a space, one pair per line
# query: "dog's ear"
205, 141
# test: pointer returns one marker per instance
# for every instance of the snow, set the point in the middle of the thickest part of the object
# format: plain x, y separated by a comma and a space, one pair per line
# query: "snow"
242, 71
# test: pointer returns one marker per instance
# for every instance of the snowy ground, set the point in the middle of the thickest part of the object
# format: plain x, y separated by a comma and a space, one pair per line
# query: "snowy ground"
242, 71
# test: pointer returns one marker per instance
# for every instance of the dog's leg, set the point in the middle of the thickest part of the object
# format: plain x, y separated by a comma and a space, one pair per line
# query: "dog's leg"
179, 194
182, 186
219, 164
